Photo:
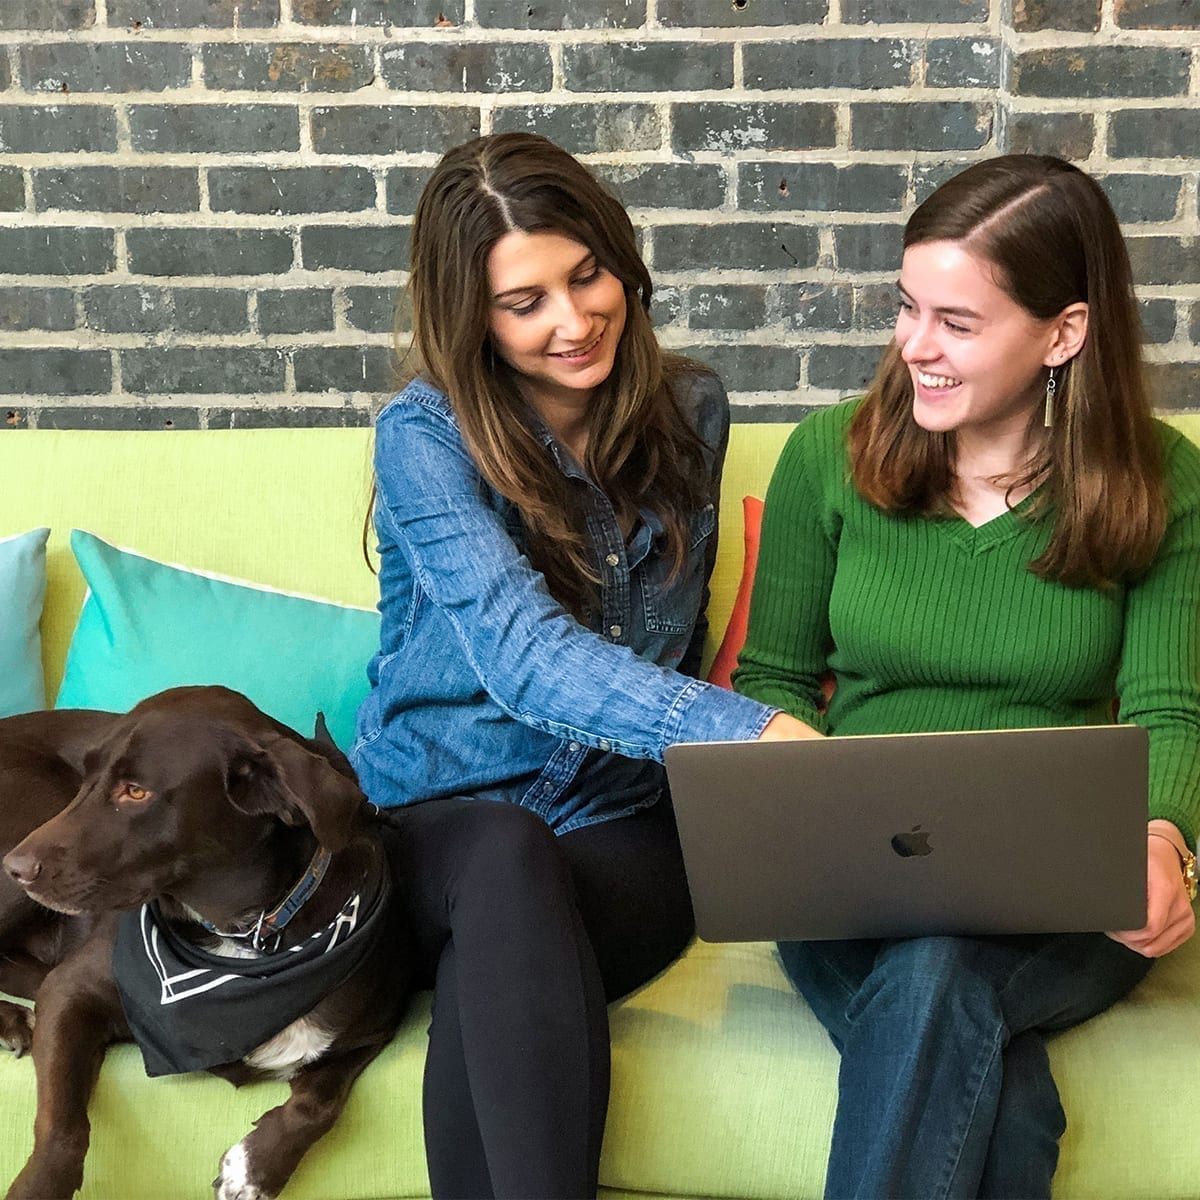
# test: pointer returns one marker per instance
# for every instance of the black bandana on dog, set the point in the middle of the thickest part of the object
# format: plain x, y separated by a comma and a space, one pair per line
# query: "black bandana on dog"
190, 1010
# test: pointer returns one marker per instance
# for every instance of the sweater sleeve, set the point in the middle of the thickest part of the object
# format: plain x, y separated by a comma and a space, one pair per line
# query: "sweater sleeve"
788, 642
1159, 678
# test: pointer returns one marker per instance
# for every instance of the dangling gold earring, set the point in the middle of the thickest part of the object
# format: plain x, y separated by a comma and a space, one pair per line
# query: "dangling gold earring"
1051, 384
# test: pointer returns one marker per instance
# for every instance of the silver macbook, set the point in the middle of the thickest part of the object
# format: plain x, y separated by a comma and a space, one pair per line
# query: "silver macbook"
1012, 831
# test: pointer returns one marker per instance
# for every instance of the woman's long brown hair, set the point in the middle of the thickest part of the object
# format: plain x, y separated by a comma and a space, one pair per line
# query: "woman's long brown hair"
641, 450
1053, 239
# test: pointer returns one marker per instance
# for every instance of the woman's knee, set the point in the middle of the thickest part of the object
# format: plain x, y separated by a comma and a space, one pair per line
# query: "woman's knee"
502, 846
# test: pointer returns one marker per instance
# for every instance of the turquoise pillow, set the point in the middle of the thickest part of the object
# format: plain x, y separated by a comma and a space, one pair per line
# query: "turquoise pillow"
22, 590
146, 625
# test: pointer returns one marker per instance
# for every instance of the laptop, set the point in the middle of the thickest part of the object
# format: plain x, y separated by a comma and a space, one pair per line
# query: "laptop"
904, 835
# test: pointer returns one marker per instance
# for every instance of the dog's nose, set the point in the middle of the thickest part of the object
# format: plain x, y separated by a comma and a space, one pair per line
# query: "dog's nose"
23, 867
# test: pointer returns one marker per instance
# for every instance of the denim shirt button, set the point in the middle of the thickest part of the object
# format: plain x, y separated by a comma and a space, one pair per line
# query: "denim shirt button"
574, 747
605, 745
614, 630
547, 787
612, 560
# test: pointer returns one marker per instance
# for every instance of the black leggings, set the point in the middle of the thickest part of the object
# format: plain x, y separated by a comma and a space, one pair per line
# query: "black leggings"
524, 936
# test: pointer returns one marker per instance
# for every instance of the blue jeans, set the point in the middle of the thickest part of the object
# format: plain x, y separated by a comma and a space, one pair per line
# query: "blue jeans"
945, 1088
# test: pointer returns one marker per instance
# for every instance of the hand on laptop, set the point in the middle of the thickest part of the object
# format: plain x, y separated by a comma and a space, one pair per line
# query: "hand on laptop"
1170, 919
784, 728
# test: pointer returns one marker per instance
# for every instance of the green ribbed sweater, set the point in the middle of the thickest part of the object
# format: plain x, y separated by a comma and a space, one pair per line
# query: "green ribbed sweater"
932, 624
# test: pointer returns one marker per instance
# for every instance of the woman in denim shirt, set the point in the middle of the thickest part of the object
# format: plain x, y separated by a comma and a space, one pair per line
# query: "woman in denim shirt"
546, 516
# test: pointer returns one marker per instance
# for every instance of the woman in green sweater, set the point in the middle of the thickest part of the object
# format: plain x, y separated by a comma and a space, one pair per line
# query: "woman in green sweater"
999, 535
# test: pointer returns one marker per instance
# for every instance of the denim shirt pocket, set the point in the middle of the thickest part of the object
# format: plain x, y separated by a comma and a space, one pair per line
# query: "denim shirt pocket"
671, 605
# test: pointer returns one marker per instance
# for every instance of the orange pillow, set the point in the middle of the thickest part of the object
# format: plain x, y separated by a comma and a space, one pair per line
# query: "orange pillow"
735, 631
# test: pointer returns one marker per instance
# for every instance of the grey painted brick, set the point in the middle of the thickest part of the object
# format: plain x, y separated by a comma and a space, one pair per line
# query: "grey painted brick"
467, 67
1149, 197
197, 251
1194, 327
747, 368
765, 125
666, 185
392, 128
378, 309
407, 13
1030, 16
1154, 133
821, 187
730, 306
127, 309
124, 416
193, 14
404, 187
54, 371
805, 306
36, 308
692, 14
5, 72
370, 248
211, 310
647, 66
56, 250
868, 247
875, 306
560, 14
55, 128
47, 14
1158, 320
928, 177
1156, 14
202, 370
942, 125
345, 369
295, 310
666, 305
287, 67
750, 246
847, 369
1102, 71
12, 189
746, 413
858, 12
1175, 386
963, 62
859, 63
116, 189
104, 66
213, 128
1164, 260
1067, 134
292, 416
587, 128
290, 189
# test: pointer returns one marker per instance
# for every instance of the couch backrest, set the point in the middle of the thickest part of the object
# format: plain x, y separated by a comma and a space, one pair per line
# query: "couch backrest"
282, 507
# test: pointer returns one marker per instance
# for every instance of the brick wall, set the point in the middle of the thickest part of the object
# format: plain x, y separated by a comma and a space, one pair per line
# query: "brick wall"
205, 204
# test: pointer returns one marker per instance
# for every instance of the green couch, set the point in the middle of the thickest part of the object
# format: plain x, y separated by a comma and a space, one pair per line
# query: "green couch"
723, 1083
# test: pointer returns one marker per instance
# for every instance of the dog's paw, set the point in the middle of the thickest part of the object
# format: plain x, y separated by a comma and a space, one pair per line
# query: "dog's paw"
16, 1027
234, 1182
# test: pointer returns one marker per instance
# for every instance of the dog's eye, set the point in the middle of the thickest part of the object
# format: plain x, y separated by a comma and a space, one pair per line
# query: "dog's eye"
131, 793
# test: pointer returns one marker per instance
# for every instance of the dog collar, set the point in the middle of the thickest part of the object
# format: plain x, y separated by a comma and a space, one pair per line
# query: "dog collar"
267, 932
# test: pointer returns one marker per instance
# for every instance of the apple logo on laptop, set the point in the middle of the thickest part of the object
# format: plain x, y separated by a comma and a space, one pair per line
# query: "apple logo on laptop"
914, 844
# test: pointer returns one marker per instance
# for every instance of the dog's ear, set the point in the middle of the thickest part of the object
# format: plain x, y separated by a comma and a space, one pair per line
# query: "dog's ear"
282, 778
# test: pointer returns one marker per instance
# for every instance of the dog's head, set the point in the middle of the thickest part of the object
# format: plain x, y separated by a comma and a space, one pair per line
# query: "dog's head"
192, 781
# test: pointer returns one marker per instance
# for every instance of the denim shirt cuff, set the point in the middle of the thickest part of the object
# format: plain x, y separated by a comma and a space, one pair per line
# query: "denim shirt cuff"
703, 712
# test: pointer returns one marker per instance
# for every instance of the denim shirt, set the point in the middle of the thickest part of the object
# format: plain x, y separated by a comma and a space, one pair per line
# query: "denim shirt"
483, 684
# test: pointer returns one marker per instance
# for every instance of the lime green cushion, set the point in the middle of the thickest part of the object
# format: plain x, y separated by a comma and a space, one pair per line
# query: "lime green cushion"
22, 590
147, 625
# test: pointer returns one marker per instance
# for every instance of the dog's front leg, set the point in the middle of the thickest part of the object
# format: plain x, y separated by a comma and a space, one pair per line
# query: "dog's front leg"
78, 1015
260, 1165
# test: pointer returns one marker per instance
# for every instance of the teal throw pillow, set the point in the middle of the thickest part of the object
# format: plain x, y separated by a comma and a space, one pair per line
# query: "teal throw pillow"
22, 590
146, 625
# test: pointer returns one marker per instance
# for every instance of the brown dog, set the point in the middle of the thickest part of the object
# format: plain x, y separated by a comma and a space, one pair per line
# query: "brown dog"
194, 825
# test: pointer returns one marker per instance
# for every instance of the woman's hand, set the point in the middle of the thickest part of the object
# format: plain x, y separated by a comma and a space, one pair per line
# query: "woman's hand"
784, 728
1170, 919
